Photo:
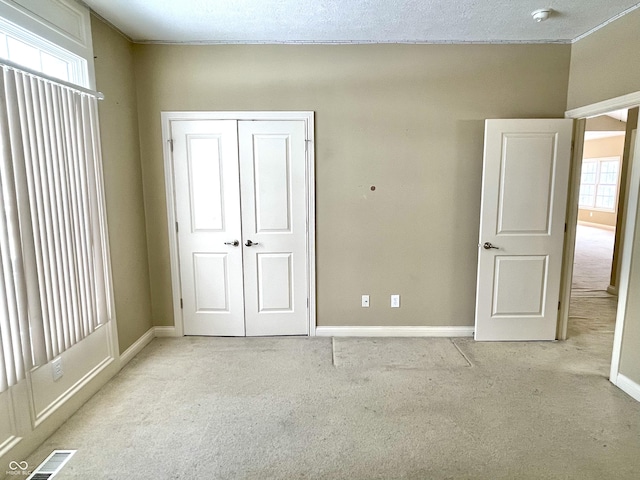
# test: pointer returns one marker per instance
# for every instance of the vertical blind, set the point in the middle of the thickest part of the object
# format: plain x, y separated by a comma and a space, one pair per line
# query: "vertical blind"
53, 289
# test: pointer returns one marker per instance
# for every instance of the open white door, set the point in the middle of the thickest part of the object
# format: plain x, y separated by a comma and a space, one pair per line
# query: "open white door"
522, 225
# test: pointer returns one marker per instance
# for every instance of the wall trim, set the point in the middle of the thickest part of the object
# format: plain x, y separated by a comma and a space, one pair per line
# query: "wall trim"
625, 101
605, 23
628, 386
601, 226
71, 392
166, 332
137, 346
405, 331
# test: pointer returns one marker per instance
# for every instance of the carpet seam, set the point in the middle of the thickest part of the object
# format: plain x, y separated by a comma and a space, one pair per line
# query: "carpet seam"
461, 352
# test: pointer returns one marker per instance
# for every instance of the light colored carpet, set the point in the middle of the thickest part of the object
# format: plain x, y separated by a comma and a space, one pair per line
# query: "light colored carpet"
592, 261
361, 409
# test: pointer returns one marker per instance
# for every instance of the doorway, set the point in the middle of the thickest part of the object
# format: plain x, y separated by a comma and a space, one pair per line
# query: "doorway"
626, 227
240, 201
593, 301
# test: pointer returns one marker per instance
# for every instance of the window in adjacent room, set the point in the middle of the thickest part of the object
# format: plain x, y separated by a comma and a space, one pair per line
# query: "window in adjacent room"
599, 183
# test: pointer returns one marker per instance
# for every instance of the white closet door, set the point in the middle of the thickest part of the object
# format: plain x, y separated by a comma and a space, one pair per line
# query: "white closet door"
205, 155
272, 172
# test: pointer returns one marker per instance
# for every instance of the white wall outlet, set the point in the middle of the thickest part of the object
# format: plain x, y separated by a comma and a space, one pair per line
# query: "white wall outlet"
56, 368
365, 300
395, 301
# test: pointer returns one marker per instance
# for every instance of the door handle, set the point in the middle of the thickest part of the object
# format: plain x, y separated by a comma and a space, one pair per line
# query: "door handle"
488, 246
235, 243
250, 243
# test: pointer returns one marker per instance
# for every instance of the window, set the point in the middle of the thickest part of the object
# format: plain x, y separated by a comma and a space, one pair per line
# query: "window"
599, 183
54, 280
27, 50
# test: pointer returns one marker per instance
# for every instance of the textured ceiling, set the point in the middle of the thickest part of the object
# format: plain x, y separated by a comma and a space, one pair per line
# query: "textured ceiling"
359, 21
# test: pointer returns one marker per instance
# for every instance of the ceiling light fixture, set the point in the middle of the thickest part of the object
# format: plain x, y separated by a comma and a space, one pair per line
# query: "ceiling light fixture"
541, 14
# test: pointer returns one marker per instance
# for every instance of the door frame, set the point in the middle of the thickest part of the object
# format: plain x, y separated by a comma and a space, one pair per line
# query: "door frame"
308, 118
627, 223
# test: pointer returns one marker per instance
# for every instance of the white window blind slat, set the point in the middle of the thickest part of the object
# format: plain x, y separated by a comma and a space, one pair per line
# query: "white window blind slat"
19, 148
32, 239
14, 327
46, 272
96, 189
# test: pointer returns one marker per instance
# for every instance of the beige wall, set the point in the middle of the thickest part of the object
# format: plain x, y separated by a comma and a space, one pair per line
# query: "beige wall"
405, 118
598, 148
605, 64
123, 182
604, 123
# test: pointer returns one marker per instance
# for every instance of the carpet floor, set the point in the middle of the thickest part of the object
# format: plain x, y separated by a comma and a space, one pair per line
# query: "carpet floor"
592, 261
361, 408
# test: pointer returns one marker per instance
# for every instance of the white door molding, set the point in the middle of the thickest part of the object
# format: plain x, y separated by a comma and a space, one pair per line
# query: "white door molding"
630, 100
624, 101
308, 118
573, 195
630, 226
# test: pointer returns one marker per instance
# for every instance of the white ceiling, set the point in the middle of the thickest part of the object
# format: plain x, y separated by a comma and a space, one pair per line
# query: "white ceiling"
356, 21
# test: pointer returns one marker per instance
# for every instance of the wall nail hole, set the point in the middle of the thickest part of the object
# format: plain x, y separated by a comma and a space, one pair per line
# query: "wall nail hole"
373, 188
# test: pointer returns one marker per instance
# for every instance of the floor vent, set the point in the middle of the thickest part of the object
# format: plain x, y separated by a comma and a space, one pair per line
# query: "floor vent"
52, 465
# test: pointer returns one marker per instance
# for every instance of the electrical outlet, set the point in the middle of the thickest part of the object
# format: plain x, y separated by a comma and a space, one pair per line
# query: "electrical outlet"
395, 301
56, 368
365, 301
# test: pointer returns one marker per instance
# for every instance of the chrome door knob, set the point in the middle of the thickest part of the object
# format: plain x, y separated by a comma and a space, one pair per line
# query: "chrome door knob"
235, 243
250, 243
488, 246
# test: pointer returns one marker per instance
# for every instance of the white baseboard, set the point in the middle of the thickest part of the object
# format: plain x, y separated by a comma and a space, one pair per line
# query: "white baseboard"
137, 347
602, 226
165, 331
453, 331
628, 386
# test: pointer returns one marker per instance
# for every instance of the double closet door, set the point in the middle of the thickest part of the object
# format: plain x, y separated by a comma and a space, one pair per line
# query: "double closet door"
241, 212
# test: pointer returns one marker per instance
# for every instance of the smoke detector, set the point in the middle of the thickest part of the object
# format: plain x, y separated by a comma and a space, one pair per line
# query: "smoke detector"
541, 14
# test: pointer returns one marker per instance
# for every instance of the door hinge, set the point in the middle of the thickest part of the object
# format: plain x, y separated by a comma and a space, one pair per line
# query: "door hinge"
171, 144
559, 305
181, 304
176, 227
565, 228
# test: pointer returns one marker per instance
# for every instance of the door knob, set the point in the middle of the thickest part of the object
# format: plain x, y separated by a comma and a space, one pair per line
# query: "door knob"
488, 246
250, 243
235, 243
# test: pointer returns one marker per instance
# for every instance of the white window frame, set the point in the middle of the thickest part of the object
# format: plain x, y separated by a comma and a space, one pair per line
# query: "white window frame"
77, 66
598, 161
62, 23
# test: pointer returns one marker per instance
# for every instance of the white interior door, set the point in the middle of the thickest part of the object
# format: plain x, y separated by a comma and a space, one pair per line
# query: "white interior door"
273, 179
522, 224
205, 155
